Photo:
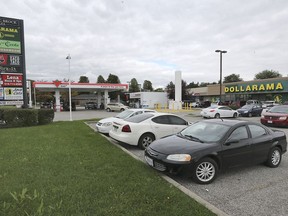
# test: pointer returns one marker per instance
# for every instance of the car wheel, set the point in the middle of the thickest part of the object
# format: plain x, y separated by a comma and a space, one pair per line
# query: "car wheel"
235, 115
217, 115
108, 110
145, 140
205, 171
250, 115
274, 157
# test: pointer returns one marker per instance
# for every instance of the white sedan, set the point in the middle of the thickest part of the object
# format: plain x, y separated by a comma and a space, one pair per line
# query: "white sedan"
219, 112
105, 125
143, 129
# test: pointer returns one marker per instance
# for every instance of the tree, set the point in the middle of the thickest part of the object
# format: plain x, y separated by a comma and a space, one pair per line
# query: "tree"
185, 95
193, 85
113, 79
170, 88
134, 86
266, 74
147, 85
100, 79
83, 79
159, 90
204, 84
232, 78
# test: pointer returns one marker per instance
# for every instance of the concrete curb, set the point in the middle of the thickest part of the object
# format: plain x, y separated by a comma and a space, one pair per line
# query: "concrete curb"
194, 196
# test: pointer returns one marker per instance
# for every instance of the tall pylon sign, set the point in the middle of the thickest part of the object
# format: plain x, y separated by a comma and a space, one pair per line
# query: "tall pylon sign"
13, 87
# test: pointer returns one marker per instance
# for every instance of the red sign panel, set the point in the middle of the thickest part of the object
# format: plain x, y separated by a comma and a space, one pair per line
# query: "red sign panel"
10, 60
3, 59
11, 80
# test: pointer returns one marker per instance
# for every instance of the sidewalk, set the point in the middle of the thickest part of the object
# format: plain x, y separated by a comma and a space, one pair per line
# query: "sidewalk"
82, 114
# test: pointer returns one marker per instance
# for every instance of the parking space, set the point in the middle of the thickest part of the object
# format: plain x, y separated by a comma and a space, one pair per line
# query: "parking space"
256, 190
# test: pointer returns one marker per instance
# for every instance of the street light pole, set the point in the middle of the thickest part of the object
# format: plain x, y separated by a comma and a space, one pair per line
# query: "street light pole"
70, 98
221, 51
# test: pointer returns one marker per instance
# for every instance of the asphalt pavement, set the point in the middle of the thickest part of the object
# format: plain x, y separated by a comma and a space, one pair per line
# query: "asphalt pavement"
256, 190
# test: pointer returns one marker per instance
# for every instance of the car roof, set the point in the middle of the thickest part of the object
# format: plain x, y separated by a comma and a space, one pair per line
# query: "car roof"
148, 115
140, 109
228, 122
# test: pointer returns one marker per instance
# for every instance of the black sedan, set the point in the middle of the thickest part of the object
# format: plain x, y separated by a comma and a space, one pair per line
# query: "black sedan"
208, 146
250, 110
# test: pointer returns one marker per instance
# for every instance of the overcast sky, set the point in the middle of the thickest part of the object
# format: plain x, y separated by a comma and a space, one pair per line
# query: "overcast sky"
151, 39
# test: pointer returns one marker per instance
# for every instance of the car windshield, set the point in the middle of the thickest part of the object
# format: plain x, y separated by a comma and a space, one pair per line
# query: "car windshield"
205, 131
279, 109
250, 102
247, 107
268, 102
124, 114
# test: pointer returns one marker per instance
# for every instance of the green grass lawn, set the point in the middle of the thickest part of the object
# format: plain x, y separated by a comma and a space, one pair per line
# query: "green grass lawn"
65, 168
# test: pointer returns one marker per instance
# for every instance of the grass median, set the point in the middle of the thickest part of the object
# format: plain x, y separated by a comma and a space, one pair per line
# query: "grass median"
65, 168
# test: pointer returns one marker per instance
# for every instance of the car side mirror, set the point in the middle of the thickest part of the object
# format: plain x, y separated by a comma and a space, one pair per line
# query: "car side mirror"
230, 141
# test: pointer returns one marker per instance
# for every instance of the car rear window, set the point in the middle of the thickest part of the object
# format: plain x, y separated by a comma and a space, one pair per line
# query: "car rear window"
140, 118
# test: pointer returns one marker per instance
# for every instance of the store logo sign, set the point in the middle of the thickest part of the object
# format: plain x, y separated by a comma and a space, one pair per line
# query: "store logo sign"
254, 88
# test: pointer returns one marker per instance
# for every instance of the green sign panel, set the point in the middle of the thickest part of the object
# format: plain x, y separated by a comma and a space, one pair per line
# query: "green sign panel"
7, 46
257, 87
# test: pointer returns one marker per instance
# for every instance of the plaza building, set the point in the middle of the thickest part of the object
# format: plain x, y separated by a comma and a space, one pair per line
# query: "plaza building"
239, 92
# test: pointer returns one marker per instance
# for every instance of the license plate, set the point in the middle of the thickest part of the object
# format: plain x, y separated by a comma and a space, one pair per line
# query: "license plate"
149, 161
270, 122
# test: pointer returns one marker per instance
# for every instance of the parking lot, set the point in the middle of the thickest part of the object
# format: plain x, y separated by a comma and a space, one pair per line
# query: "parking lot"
257, 190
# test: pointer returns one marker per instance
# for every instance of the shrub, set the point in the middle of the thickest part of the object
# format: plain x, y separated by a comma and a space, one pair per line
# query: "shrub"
14, 117
45, 116
20, 117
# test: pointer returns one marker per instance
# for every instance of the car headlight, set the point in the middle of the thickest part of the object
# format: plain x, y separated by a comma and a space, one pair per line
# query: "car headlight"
106, 124
179, 157
246, 111
282, 118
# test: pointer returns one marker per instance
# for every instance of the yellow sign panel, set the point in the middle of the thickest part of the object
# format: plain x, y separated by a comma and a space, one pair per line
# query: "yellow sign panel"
254, 88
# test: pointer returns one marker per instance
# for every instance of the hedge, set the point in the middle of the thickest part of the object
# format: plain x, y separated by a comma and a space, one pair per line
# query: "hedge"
15, 117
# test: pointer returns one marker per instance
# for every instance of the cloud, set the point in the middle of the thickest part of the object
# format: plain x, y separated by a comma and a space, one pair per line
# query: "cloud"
150, 40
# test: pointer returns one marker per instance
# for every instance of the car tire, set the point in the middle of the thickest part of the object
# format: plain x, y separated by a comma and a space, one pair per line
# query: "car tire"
274, 157
108, 110
205, 171
249, 114
145, 140
235, 115
217, 115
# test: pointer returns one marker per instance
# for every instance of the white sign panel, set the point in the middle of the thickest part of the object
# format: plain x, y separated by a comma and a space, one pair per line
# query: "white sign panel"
13, 93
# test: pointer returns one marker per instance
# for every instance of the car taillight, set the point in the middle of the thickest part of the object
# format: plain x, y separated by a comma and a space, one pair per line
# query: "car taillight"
212, 110
126, 128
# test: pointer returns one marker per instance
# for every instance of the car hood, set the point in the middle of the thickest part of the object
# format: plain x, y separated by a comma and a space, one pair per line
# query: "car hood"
175, 144
110, 119
243, 110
